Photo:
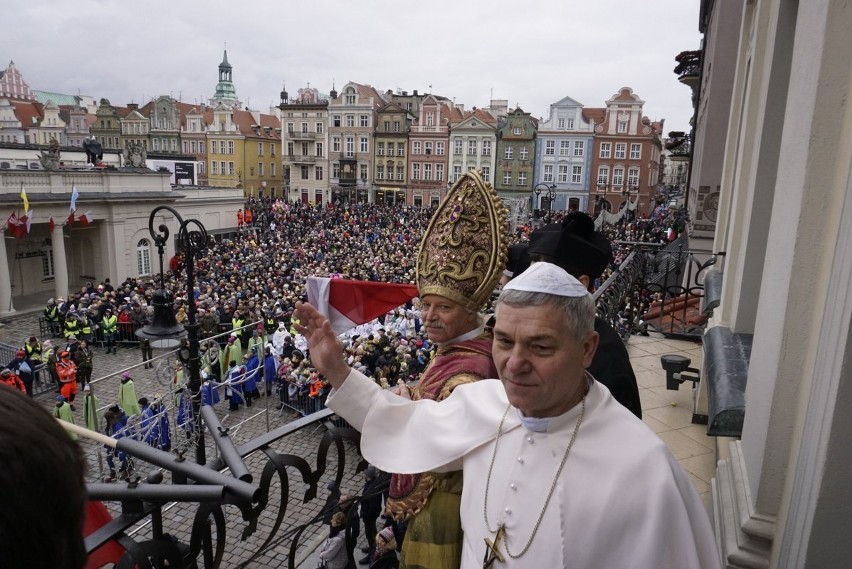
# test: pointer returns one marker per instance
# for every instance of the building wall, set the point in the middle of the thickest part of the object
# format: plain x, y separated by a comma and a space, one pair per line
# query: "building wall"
312, 117
391, 161
225, 147
708, 150
478, 136
119, 203
564, 155
624, 129
785, 222
515, 156
356, 107
429, 132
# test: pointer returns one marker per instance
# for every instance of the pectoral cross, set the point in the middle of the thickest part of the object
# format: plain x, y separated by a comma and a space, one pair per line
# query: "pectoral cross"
492, 549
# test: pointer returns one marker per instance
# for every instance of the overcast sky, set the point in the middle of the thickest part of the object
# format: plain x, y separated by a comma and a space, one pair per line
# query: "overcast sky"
532, 52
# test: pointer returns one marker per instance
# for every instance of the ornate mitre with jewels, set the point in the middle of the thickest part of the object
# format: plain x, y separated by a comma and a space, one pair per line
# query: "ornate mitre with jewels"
463, 251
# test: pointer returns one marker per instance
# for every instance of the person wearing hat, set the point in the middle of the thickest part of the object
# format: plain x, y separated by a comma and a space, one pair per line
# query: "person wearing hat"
270, 368
127, 397
51, 316
71, 326
585, 253
252, 375
384, 555
332, 502
90, 409
33, 350
23, 369
66, 372
557, 473
62, 411
11, 379
232, 351
109, 328
234, 385
117, 428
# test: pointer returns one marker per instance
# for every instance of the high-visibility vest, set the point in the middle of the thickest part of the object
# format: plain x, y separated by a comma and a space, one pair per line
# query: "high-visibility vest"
51, 313
110, 324
33, 352
71, 327
237, 325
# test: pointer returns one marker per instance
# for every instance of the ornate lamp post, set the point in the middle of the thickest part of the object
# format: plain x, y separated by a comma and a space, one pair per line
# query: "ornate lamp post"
599, 200
191, 241
626, 193
550, 195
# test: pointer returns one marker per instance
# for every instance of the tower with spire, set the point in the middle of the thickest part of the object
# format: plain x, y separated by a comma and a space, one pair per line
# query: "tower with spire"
226, 93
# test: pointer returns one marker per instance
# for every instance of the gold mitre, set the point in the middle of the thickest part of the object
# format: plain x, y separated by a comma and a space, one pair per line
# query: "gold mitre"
463, 251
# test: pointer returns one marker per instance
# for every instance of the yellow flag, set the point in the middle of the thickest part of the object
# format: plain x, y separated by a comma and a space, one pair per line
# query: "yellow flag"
26, 201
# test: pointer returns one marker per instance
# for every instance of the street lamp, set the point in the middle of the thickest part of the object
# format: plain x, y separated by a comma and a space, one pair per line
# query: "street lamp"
191, 241
600, 199
550, 195
626, 193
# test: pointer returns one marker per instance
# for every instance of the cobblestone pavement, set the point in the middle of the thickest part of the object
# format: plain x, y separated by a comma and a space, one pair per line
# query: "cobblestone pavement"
245, 424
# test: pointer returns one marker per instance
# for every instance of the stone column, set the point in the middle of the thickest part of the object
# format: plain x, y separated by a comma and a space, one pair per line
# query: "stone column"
60, 262
6, 307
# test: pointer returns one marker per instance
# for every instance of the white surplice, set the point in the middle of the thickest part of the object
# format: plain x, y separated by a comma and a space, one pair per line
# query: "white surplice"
621, 501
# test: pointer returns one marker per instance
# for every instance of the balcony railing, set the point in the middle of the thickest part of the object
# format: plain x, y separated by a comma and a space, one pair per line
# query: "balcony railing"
657, 288
422, 129
168, 508
301, 135
302, 158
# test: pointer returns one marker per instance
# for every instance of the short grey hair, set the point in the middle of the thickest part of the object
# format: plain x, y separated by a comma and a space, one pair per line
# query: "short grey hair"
579, 311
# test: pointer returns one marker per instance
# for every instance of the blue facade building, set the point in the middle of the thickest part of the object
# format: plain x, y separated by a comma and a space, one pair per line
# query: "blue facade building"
564, 157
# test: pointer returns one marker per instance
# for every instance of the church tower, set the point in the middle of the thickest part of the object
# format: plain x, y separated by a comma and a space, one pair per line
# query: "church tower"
226, 93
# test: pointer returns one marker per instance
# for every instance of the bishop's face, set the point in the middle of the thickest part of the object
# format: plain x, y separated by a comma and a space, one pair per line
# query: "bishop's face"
540, 363
445, 319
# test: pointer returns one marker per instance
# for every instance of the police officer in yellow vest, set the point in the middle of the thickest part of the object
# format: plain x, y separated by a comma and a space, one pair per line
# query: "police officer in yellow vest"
72, 324
237, 323
33, 351
85, 324
109, 327
51, 316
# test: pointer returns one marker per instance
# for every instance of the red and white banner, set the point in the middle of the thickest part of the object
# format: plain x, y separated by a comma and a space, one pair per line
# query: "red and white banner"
348, 303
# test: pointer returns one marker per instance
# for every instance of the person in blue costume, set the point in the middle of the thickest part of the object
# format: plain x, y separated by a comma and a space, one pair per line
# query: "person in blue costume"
252, 368
209, 390
234, 386
270, 369
117, 428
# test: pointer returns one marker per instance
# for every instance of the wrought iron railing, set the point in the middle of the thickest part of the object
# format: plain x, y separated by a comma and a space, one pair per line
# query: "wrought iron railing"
271, 480
658, 288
